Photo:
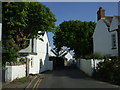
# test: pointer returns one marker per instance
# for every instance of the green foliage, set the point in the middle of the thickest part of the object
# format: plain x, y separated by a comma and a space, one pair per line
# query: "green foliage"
22, 21
23, 80
11, 52
109, 70
76, 35
3, 67
97, 56
0, 12
10, 56
94, 56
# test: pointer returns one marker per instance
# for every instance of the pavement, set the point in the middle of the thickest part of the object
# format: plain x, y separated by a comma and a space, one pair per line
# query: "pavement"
24, 86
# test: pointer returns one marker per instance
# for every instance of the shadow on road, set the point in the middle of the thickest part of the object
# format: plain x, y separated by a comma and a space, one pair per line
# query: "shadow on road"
69, 71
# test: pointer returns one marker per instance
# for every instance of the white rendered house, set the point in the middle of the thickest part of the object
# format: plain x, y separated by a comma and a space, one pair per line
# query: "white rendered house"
0, 31
38, 53
66, 54
69, 58
105, 37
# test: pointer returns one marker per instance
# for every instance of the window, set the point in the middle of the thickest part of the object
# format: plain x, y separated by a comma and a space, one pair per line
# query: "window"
113, 41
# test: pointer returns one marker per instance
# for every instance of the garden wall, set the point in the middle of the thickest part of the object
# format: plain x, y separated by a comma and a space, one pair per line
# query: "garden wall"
13, 72
88, 65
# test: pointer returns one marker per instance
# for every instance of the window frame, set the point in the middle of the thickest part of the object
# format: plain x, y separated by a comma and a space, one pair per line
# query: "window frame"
113, 39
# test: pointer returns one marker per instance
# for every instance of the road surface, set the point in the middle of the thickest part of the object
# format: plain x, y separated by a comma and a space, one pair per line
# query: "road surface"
71, 77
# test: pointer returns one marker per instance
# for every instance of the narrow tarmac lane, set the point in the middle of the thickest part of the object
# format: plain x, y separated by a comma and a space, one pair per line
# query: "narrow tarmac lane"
71, 77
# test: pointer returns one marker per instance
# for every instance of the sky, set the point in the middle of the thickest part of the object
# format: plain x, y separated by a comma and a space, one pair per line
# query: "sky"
83, 11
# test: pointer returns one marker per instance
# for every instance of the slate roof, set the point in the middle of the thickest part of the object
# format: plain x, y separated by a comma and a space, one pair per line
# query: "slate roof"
108, 20
118, 17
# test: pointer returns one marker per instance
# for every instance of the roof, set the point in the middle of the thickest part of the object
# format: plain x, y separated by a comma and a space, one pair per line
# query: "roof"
108, 20
118, 17
48, 39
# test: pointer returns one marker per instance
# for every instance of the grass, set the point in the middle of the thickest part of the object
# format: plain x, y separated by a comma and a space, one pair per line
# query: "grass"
23, 80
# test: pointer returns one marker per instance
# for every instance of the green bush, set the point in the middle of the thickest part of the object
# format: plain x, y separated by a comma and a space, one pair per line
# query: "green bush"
10, 56
97, 56
94, 56
109, 71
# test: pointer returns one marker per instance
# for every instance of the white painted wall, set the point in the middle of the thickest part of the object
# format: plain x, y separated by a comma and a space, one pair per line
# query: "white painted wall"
88, 65
69, 58
85, 65
0, 31
50, 52
102, 40
0, 55
43, 50
34, 64
114, 26
13, 72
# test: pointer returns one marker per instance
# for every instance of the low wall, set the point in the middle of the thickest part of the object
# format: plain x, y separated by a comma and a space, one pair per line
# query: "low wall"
88, 65
47, 66
50, 65
13, 72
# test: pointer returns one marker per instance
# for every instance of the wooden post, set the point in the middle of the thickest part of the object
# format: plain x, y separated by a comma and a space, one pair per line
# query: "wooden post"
27, 67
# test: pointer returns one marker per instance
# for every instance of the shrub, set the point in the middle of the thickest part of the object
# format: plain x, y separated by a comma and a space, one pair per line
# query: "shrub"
109, 70
94, 56
10, 56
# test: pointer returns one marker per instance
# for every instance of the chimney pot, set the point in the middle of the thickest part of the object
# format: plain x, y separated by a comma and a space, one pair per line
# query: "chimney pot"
100, 13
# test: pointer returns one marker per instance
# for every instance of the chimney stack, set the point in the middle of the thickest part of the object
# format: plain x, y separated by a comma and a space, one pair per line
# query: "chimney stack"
100, 13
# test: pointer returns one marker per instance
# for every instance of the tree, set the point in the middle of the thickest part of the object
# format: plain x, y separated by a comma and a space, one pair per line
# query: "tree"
0, 12
22, 21
76, 35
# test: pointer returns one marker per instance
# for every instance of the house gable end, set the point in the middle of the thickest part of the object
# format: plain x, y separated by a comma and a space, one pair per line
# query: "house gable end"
101, 38
100, 24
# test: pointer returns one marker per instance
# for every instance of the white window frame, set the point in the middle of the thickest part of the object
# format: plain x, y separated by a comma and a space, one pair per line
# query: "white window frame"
114, 44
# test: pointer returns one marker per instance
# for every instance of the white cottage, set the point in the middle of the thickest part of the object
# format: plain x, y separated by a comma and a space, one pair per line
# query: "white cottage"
0, 38
66, 54
69, 58
38, 54
105, 37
